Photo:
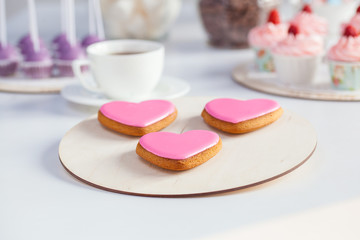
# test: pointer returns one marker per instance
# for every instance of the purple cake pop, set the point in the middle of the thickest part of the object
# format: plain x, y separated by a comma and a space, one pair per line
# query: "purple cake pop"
28, 46
9, 60
37, 64
62, 46
90, 39
65, 58
59, 38
23, 40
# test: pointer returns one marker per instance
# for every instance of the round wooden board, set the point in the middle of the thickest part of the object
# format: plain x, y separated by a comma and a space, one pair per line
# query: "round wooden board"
268, 83
47, 85
107, 160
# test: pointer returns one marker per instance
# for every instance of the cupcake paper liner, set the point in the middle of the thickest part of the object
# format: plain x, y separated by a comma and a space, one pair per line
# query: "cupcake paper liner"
264, 61
64, 68
8, 68
37, 69
296, 70
344, 75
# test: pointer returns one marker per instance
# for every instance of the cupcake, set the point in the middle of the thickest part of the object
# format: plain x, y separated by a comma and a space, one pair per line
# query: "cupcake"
263, 38
89, 39
309, 23
37, 64
344, 61
66, 56
297, 57
9, 60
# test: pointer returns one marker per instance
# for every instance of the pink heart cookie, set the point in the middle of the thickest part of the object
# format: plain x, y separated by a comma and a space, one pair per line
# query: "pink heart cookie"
137, 119
179, 151
239, 116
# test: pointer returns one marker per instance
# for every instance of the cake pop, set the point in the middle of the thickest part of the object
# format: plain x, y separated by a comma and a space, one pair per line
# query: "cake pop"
23, 40
96, 28
70, 50
26, 44
66, 57
90, 39
58, 39
9, 60
37, 62
8, 55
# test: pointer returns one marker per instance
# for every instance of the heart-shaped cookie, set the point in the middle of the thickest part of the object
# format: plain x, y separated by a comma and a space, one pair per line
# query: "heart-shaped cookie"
137, 119
241, 116
179, 151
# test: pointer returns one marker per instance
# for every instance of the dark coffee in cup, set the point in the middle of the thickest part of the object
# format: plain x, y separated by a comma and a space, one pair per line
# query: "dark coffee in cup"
125, 53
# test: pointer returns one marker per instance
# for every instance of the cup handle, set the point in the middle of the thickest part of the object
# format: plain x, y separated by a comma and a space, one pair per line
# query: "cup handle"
76, 66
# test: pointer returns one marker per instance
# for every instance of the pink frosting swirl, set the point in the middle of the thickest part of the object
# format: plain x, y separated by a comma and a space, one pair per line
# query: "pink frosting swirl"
299, 45
267, 35
310, 24
346, 50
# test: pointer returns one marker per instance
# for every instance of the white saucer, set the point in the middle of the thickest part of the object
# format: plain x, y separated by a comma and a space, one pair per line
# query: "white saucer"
168, 88
18, 84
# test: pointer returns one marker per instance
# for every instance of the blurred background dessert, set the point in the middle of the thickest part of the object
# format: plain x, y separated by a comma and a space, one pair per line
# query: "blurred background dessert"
228, 22
8, 55
8, 60
309, 23
335, 12
37, 62
140, 19
297, 57
264, 37
344, 60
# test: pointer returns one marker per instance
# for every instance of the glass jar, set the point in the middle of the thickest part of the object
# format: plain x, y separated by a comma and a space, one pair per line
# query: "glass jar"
227, 22
140, 19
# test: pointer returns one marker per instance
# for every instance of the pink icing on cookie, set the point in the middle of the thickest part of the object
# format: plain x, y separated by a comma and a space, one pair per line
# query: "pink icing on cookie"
235, 111
179, 146
137, 114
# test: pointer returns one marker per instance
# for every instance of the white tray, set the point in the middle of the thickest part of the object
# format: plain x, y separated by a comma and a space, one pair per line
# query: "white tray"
25, 85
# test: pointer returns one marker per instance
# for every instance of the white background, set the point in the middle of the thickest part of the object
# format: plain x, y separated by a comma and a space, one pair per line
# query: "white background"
39, 200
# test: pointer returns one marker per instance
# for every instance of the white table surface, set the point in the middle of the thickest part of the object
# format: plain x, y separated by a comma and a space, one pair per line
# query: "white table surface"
40, 200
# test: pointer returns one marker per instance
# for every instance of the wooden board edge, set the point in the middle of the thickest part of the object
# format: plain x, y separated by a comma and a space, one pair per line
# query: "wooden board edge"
202, 194
30, 92
304, 96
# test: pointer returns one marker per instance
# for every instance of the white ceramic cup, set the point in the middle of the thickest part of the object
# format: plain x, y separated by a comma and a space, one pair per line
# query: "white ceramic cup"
122, 69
